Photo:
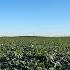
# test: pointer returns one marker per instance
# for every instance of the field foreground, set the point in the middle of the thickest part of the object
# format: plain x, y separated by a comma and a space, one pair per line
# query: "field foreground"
35, 53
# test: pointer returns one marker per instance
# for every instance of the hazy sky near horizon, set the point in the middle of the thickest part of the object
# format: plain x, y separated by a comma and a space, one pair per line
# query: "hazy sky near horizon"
34, 17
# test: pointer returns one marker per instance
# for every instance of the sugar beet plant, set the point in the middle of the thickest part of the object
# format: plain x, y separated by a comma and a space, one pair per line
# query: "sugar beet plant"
34, 53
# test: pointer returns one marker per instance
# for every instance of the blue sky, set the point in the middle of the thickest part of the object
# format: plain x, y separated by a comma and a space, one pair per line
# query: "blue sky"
35, 17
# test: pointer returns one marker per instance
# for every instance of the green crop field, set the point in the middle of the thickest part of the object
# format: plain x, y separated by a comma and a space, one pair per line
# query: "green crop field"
34, 53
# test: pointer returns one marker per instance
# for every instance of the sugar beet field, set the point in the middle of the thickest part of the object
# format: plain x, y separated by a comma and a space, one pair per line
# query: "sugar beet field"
34, 53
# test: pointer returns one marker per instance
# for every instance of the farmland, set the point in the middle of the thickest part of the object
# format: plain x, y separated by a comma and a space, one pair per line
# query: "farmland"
34, 53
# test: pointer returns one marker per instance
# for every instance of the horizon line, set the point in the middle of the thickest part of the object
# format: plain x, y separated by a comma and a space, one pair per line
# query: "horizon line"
35, 35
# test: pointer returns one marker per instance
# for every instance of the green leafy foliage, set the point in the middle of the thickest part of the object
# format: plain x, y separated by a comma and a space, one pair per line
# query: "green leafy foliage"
35, 53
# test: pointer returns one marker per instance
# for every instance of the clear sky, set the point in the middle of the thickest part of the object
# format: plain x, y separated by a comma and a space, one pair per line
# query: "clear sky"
34, 17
